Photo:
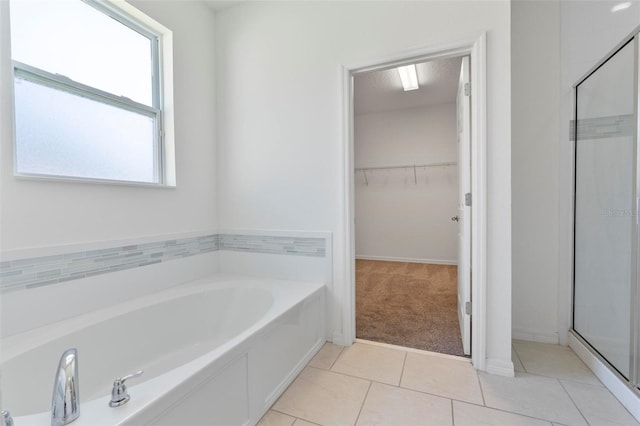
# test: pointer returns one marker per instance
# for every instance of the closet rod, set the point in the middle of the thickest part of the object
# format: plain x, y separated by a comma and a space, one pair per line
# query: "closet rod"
410, 166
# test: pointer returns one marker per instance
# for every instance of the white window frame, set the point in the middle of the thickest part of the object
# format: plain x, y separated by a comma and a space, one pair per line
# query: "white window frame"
162, 94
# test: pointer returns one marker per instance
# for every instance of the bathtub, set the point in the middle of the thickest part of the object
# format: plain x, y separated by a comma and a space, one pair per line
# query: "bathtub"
214, 351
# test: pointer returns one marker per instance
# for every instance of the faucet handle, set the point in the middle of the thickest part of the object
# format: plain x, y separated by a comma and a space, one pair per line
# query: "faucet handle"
119, 394
5, 418
129, 376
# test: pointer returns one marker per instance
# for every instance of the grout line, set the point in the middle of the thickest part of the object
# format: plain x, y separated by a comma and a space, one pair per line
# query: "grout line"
336, 360
363, 402
294, 417
396, 386
596, 385
453, 419
304, 420
280, 412
518, 356
436, 395
361, 378
568, 379
572, 401
511, 412
404, 362
414, 350
484, 401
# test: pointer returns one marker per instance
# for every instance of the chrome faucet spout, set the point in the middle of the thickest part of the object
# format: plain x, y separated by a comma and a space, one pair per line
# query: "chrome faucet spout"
65, 404
5, 418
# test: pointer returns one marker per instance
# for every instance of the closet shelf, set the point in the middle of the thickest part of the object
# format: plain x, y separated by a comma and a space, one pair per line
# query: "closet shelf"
364, 170
409, 166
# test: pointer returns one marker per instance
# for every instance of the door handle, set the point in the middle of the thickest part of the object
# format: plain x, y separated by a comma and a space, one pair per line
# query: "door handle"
455, 218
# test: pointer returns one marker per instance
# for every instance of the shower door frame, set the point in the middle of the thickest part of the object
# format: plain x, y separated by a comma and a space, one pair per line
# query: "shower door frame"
633, 382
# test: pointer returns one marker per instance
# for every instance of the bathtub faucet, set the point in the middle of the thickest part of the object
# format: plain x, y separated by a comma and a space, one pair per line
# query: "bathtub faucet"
65, 404
5, 418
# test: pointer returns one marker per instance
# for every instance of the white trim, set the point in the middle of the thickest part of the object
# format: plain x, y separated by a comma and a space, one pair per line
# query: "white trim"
476, 48
623, 393
500, 367
345, 303
337, 338
535, 335
479, 191
165, 82
407, 259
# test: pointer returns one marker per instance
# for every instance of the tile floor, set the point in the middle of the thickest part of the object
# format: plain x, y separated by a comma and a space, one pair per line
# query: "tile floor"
370, 384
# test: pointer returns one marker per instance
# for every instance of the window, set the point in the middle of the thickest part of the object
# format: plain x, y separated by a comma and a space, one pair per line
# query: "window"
87, 89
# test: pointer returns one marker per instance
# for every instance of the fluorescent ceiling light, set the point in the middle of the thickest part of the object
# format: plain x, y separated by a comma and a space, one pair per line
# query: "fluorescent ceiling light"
621, 6
409, 77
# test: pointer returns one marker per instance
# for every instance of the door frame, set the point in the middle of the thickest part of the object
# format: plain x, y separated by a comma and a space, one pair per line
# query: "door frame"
345, 303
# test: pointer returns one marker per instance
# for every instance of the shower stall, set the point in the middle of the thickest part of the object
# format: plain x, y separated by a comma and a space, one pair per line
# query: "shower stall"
606, 292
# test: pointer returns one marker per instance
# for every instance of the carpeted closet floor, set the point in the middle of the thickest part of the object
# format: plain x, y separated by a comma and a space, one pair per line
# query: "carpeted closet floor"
408, 304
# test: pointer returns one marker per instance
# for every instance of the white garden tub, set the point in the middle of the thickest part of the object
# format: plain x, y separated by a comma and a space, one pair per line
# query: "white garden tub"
213, 352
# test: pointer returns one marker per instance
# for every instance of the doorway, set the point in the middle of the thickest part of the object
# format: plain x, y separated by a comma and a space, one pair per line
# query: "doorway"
344, 304
411, 152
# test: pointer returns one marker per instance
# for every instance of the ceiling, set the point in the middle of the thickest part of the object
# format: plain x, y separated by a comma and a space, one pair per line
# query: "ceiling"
379, 91
217, 5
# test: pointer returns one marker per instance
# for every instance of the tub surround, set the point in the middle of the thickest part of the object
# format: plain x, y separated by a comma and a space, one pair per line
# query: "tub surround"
147, 265
274, 244
26, 273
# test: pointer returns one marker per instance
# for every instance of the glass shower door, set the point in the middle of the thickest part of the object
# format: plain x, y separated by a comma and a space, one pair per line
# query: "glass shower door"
605, 250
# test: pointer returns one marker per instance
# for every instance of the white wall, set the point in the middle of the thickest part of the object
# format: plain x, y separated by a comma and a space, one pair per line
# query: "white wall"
279, 80
397, 218
37, 213
57, 216
553, 44
535, 114
589, 31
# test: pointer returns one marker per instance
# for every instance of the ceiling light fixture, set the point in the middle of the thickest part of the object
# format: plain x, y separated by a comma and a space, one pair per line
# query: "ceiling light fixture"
409, 77
621, 6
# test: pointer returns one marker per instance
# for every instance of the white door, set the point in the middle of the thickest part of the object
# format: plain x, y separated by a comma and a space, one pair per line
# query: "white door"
464, 211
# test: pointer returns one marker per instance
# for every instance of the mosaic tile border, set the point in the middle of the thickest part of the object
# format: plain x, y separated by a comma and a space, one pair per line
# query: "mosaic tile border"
300, 246
21, 274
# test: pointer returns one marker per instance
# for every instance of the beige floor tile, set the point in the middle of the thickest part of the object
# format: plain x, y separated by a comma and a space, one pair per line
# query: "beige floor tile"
530, 395
517, 365
450, 378
390, 405
598, 405
324, 397
300, 422
371, 362
273, 418
326, 356
553, 361
474, 415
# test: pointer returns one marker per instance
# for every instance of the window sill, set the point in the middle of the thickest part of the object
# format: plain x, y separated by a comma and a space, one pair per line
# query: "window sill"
91, 181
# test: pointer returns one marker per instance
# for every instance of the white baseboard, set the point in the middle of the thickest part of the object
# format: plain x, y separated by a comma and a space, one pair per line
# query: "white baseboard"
623, 393
534, 335
338, 339
500, 367
407, 259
